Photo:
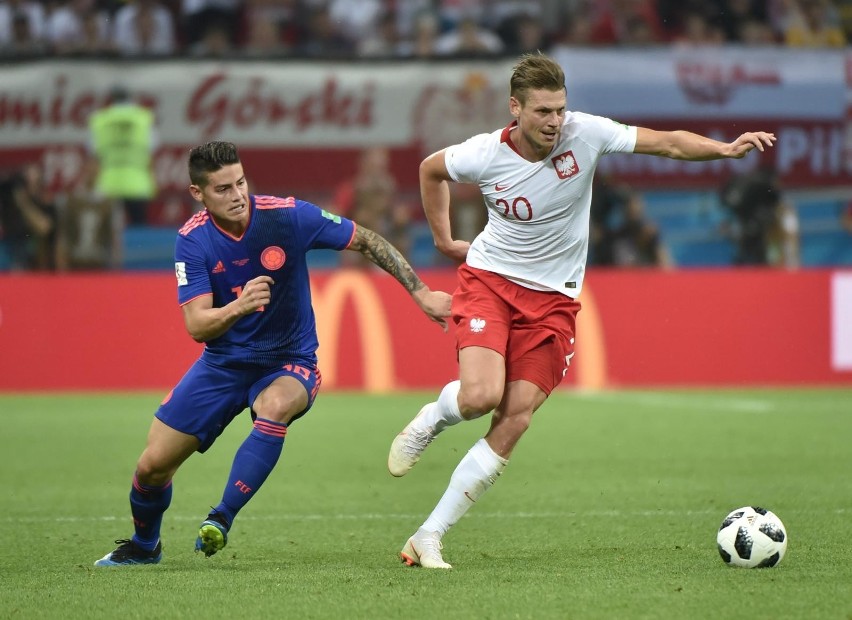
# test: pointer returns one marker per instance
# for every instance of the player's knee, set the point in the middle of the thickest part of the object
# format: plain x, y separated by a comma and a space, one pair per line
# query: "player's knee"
520, 423
513, 426
279, 408
151, 472
477, 400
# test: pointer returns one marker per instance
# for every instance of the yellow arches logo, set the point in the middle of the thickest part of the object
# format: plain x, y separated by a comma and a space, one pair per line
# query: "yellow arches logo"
591, 361
376, 350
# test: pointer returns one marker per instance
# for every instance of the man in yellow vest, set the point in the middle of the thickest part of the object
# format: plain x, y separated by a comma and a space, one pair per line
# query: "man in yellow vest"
123, 139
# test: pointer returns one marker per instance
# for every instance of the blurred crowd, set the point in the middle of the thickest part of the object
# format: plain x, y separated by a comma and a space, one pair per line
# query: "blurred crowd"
404, 28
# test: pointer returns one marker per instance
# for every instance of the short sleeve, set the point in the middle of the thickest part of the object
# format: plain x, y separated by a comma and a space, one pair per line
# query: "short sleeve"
193, 280
466, 161
610, 136
322, 229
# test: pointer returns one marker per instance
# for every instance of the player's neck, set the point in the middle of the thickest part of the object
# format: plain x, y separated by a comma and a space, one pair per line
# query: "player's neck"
233, 228
531, 152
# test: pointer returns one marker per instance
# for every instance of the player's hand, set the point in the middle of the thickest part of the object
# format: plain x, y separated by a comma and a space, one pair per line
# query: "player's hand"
456, 250
436, 305
759, 140
255, 294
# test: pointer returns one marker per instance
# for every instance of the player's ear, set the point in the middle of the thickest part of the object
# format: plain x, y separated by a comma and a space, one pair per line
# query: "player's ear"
196, 193
514, 107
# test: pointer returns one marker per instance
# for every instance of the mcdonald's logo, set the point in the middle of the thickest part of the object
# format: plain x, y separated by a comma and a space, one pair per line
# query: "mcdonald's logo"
376, 350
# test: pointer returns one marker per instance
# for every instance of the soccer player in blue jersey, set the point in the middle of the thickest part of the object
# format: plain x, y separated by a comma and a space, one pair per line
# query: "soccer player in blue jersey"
243, 285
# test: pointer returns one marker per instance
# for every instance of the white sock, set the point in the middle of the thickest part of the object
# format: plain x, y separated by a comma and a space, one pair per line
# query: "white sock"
445, 412
475, 474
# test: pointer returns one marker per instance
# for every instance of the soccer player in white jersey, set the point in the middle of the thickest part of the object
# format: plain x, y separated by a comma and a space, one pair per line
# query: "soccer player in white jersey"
516, 302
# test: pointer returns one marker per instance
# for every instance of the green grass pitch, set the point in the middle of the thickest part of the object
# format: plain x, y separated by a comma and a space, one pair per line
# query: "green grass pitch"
608, 509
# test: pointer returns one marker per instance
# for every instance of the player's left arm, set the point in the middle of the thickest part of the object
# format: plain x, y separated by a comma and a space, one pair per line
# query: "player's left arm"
694, 147
378, 250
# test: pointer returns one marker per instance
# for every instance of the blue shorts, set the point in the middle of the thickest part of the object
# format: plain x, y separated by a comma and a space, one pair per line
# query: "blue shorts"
208, 397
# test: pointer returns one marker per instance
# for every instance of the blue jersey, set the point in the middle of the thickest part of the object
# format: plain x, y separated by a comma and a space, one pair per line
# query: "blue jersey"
280, 232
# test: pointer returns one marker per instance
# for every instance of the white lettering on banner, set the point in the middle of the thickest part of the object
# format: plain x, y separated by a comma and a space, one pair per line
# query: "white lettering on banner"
817, 149
841, 321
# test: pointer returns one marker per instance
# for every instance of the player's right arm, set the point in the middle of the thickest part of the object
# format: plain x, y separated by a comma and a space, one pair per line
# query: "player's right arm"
204, 322
435, 194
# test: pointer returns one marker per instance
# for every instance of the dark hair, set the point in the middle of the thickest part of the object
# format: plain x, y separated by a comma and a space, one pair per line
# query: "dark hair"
210, 157
535, 71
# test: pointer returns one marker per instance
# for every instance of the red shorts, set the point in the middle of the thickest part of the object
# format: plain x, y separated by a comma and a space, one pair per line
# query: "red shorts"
532, 330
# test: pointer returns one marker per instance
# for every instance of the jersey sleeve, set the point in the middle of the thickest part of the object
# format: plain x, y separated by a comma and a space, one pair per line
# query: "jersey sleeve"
466, 161
610, 136
193, 279
321, 229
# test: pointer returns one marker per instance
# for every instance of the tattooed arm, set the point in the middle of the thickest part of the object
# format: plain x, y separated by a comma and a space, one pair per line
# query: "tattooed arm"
377, 249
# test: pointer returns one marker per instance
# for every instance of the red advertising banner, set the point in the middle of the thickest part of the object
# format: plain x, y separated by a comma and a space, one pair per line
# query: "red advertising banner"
636, 329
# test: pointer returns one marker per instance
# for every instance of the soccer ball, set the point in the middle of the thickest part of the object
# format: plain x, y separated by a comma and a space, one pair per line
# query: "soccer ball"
752, 537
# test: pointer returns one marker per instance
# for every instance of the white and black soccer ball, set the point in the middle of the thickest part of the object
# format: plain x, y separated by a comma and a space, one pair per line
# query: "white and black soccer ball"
752, 537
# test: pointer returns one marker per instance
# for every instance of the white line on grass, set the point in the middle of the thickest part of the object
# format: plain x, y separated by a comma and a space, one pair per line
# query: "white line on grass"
667, 400
367, 516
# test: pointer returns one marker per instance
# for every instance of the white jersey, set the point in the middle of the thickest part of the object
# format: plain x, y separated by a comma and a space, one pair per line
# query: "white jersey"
537, 233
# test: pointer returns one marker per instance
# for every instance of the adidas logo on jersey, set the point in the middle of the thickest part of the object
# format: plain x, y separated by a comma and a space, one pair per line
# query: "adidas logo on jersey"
219, 268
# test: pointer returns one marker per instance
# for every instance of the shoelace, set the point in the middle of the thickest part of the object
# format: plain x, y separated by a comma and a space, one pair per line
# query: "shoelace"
416, 441
431, 545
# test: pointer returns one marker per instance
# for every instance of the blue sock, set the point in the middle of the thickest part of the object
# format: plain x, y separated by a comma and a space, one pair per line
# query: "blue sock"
147, 505
252, 464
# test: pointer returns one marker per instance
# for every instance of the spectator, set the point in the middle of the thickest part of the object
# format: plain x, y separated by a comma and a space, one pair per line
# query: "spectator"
576, 30
264, 38
756, 33
97, 38
423, 39
811, 23
637, 33
370, 198
123, 139
144, 27
215, 42
32, 18
384, 42
28, 220
612, 18
357, 20
198, 16
738, 15
454, 12
78, 27
753, 200
468, 39
609, 199
323, 38
635, 242
783, 239
699, 30
287, 14
91, 227
22, 41
524, 33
